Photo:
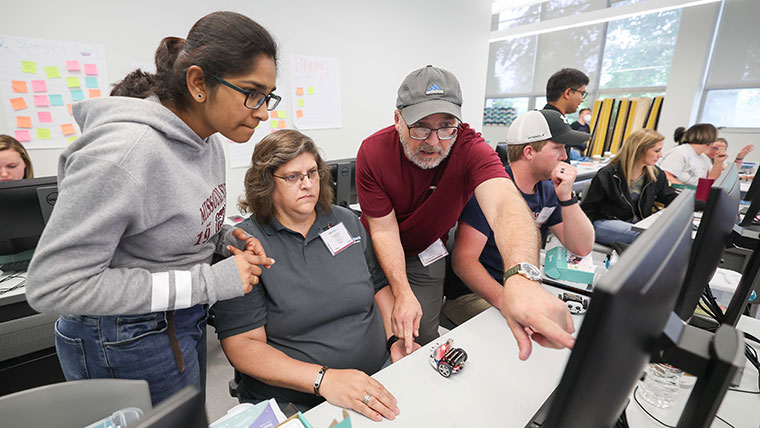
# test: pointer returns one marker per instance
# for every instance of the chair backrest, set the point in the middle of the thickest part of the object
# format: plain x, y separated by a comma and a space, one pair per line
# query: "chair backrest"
586, 185
73, 404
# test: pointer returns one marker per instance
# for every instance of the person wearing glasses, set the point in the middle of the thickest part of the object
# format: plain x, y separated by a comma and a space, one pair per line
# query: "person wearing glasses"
317, 326
413, 179
126, 255
565, 91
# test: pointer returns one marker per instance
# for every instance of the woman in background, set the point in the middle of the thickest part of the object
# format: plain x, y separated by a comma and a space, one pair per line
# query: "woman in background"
14, 160
688, 162
625, 191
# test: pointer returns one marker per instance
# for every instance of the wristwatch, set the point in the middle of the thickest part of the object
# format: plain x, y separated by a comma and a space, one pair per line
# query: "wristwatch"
525, 269
573, 200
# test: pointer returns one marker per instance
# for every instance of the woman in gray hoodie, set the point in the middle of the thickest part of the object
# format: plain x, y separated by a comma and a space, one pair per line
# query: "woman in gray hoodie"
126, 255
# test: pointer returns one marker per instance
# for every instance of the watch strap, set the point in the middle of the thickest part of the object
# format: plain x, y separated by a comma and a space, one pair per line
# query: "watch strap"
572, 201
318, 380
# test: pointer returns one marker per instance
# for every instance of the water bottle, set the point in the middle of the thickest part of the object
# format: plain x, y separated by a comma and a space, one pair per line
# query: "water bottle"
660, 385
119, 419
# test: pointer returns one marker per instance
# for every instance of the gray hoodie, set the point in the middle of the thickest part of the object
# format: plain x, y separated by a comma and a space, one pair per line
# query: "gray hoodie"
139, 214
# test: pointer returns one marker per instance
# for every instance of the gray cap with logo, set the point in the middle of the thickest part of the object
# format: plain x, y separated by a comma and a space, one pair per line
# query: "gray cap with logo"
427, 91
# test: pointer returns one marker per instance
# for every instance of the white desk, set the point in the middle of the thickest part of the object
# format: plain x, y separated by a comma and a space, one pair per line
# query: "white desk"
496, 389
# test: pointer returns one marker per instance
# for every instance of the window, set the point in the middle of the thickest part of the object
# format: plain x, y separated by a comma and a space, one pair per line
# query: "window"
733, 108
503, 111
510, 65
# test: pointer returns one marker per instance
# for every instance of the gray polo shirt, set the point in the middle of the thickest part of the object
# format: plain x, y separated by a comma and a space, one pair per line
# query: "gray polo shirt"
316, 307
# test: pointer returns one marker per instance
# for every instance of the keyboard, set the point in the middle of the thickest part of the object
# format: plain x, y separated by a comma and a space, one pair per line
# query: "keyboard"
17, 266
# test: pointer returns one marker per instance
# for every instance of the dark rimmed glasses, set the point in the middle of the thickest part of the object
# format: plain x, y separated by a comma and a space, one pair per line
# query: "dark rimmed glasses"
253, 99
297, 177
584, 94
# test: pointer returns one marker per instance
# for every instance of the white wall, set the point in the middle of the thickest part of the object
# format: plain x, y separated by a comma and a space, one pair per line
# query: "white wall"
378, 43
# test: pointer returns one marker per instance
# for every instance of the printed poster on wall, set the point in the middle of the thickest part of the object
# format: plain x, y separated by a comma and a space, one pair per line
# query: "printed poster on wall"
315, 90
40, 79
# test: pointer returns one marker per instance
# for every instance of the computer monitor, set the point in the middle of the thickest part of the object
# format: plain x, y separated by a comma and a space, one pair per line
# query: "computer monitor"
753, 196
629, 308
344, 181
26, 207
713, 235
184, 409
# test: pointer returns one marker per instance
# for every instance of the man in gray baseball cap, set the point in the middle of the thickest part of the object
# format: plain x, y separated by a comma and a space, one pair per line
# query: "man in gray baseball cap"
413, 179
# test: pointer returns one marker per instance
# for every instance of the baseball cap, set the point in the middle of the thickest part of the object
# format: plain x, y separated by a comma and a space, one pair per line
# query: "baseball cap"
427, 91
540, 125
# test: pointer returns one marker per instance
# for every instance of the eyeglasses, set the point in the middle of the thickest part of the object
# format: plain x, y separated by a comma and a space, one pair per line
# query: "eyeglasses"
584, 94
253, 99
298, 177
443, 133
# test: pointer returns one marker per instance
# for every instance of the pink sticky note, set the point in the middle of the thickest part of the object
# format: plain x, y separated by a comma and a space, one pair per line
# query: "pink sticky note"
23, 122
44, 116
19, 86
68, 129
72, 65
41, 101
91, 69
23, 136
39, 86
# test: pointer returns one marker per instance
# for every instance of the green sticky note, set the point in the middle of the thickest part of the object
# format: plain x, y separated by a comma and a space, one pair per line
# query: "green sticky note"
310, 91
43, 133
72, 138
301, 102
52, 72
29, 67
281, 114
72, 82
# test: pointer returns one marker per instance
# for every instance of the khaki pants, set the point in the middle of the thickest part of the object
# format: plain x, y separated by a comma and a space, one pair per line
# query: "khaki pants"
427, 285
464, 307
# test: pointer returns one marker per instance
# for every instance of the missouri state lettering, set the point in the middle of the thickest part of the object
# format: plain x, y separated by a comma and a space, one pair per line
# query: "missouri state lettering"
212, 213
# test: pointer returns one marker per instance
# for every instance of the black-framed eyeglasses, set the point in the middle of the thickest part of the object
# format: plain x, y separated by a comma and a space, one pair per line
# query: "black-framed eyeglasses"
584, 94
298, 177
443, 133
253, 99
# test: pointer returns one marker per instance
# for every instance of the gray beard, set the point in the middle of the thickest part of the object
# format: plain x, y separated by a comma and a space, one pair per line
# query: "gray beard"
412, 156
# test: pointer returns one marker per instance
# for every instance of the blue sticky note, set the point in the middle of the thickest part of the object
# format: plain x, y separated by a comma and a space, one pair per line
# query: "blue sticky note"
91, 82
77, 95
56, 100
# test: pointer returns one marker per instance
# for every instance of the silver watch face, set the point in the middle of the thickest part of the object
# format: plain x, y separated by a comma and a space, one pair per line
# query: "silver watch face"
530, 271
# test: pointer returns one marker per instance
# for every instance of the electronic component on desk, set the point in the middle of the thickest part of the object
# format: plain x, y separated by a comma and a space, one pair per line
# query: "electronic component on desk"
447, 359
564, 265
575, 303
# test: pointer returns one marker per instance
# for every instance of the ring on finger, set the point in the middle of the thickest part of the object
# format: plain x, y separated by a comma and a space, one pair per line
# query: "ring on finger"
255, 280
562, 170
366, 398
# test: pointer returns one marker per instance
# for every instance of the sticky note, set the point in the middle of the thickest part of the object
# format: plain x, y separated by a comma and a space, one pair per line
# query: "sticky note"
52, 72
39, 86
72, 65
299, 91
273, 114
19, 86
23, 122
273, 123
71, 139
77, 95
91, 82
18, 103
91, 69
281, 114
301, 102
29, 67
94, 93
68, 106
23, 136
281, 125
41, 101
56, 100
68, 129
299, 113
43, 133
72, 82
44, 116
310, 91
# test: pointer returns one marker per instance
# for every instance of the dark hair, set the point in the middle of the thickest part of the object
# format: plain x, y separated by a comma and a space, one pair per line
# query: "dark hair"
220, 43
701, 133
9, 143
563, 79
678, 134
272, 152
584, 108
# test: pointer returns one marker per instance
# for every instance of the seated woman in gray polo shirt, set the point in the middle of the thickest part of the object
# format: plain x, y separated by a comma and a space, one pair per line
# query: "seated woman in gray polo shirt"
317, 324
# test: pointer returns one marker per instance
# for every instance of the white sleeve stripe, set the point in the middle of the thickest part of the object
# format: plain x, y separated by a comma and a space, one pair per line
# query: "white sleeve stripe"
159, 299
183, 289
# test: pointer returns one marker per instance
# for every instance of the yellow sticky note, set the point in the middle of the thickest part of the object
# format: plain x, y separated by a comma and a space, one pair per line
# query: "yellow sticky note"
43, 133
71, 139
52, 72
310, 90
72, 82
281, 114
29, 67
281, 125
94, 93
18, 103
68, 129
23, 122
273, 123
19, 86
301, 102
299, 91
299, 113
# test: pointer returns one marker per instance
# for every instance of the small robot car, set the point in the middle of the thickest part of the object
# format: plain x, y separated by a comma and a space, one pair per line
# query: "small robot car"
575, 303
447, 359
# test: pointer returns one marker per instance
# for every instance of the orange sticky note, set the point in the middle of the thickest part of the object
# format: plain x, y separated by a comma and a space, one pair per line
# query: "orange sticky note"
23, 122
19, 86
299, 113
273, 114
94, 93
68, 129
299, 91
68, 106
18, 103
281, 124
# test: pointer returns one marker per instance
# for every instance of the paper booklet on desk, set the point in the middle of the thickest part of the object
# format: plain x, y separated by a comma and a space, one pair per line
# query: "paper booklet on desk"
563, 265
266, 414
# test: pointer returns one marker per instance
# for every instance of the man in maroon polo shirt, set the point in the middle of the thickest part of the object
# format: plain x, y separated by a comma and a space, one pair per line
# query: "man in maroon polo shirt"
413, 179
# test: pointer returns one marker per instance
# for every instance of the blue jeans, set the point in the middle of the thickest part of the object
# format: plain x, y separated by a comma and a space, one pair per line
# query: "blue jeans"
609, 231
135, 347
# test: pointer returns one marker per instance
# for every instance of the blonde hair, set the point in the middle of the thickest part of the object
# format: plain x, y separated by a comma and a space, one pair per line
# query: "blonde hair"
9, 143
633, 151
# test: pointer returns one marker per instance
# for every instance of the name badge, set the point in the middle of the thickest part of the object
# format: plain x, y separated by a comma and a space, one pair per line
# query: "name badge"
337, 238
544, 214
435, 251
